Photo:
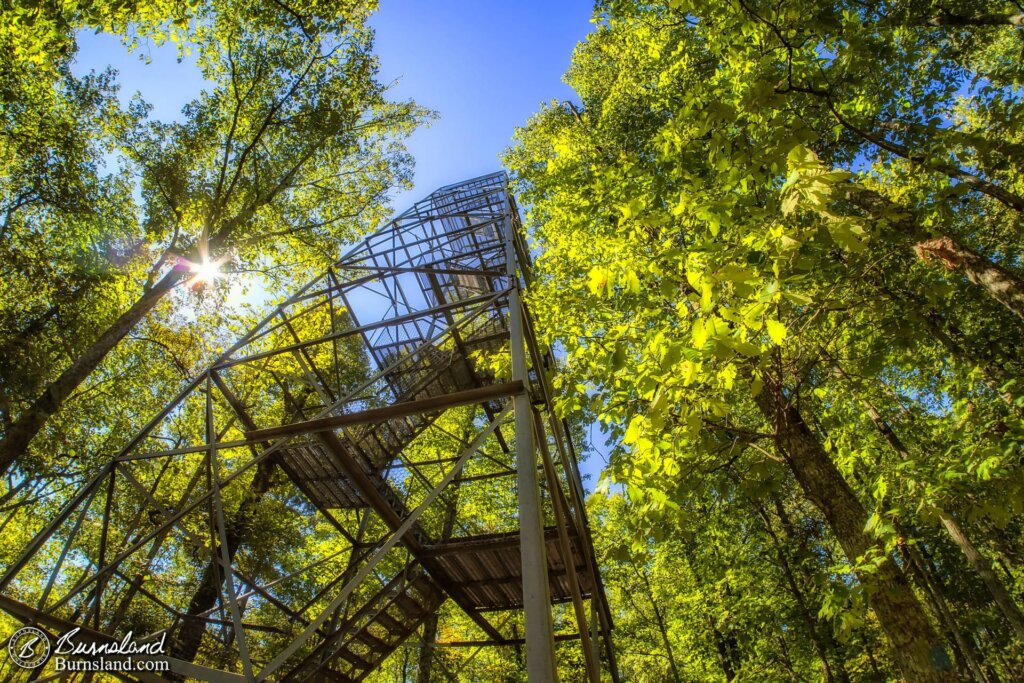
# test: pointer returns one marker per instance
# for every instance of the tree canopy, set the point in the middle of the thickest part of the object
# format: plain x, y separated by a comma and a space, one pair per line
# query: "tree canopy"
779, 250
780, 246
289, 151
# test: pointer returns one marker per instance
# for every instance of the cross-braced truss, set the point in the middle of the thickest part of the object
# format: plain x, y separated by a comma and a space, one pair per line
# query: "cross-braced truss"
299, 509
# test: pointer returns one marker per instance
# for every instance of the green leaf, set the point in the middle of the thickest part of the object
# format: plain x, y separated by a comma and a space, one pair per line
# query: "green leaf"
597, 281
619, 356
776, 330
630, 282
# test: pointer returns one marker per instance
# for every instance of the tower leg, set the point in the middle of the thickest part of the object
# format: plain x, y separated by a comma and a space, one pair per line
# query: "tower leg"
540, 637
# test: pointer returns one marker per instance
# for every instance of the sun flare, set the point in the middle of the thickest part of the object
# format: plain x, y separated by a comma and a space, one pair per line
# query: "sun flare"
205, 272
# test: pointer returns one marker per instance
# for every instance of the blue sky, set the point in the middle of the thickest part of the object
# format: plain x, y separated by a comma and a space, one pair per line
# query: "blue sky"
484, 65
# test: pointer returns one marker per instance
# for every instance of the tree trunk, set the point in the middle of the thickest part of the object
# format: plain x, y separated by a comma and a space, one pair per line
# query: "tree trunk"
787, 661
659, 620
23, 430
724, 656
1001, 284
426, 658
1009, 554
878, 676
801, 603
964, 20
427, 648
994, 372
23, 338
915, 646
185, 644
934, 593
951, 338
997, 192
980, 564
404, 673
805, 559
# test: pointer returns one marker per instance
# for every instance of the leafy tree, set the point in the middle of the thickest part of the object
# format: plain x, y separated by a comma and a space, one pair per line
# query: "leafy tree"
291, 151
775, 240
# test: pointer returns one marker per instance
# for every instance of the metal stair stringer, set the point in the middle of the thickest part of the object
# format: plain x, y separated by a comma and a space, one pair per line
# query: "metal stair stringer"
367, 637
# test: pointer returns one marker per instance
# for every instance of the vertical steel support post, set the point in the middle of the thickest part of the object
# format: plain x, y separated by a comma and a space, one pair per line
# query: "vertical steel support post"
228, 580
540, 635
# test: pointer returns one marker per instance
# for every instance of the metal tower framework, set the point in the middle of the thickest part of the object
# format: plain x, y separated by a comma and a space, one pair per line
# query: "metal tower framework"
316, 495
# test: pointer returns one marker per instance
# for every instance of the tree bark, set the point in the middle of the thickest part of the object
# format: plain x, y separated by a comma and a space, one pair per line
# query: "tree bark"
946, 19
874, 664
427, 649
1001, 284
794, 588
805, 560
993, 371
426, 657
787, 661
916, 648
659, 620
998, 282
981, 565
934, 593
997, 192
1008, 552
978, 562
185, 644
23, 337
724, 656
28, 425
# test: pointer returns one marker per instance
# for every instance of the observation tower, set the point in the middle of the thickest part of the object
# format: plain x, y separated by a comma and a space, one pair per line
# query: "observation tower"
379, 450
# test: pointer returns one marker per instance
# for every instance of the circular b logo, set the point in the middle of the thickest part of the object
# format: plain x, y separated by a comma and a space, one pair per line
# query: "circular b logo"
29, 647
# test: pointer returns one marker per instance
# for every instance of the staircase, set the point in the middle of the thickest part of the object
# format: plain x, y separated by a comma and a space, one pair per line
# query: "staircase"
431, 371
372, 633
369, 635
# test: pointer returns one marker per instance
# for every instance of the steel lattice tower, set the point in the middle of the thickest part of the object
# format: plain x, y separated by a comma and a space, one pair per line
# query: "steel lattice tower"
315, 415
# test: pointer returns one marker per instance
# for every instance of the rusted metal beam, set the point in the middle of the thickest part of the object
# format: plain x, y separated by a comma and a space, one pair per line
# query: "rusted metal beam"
401, 525
483, 543
397, 410
559, 638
